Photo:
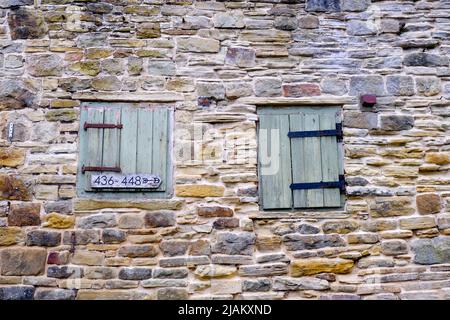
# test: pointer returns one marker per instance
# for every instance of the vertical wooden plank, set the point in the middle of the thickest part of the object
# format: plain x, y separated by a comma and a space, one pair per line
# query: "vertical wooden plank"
296, 122
144, 141
330, 161
275, 162
160, 145
111, 138
313, 159
128, 140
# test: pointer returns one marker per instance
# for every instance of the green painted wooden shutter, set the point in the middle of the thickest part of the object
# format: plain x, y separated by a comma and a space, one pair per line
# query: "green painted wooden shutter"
304, 160
275, 162
141, 146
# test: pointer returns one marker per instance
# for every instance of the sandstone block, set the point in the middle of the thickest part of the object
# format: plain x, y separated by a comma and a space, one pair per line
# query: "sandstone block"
89, 258
113, 236
101, 220
294, 284
43, 238
241, 57
138, 251
198, 190
13, 188
173, 248
160, 219
24, 214
394, 247
214, 271
58, 221
431, 251
307, 267
440, 158
428, 203
135, 273
45, 65
263, 270
26, 24
340, 226
414, 223
11, 157
372, 84
197, 44
400, 85
295, 241
23, 261
267, 87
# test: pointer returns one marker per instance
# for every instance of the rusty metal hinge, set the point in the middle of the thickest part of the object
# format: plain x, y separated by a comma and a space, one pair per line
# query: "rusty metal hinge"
102, 126
112, 169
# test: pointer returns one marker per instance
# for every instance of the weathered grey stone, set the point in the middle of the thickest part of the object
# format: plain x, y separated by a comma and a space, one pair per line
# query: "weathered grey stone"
226, 223
424, 59
340, 226
172, 294
101, 220
267, 87
54, 294
157, 283
160, 219
274, 257
135, 273
355, 5
304, 283
396, 122
100, 7
135, 66
308, 22
172, 273
356, 181
211, 89
16, 94
81, 237
231, 259
15, 3
334, 86
443, 221
22, 261
242, 57
112, 66
256, 285
138, 251
431, 251
113, 236
305, 228
372, 84
183, 261
428, 86
234, 243
73, 84
64, 272
375, 262
161, 68
229, 20
360, 28
285, 23
394, 247
323, 5
173, 248
295, 242
214, 271
360, 120
43, 238
400, 85
100, 273
17, 293
197, 44
26, 24
106, 83
234, 90
45, 65
263, 270
130, 221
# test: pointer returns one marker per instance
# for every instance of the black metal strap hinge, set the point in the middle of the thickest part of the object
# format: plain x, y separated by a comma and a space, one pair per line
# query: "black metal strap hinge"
102, 126
321, 185
112, 169
318, 133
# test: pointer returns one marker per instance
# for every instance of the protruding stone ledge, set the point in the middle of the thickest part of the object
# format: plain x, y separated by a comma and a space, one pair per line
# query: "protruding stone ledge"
91, 204
221, 117
299, 214
131, 97
316, 100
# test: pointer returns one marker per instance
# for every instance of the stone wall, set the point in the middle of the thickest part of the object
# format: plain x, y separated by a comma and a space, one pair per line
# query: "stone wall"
215, 61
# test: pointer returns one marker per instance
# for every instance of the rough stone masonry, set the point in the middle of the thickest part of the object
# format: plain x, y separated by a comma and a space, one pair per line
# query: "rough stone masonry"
210, 240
